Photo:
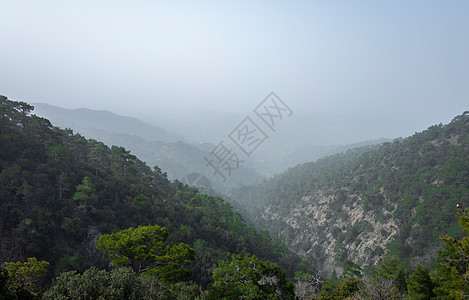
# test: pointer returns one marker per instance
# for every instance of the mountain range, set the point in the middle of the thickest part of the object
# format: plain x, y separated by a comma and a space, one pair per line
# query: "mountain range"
180, 156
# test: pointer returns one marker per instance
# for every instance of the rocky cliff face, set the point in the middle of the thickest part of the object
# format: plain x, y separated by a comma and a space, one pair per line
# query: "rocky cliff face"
313, 229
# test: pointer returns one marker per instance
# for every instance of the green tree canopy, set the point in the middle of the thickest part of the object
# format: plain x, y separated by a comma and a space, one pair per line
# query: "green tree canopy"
247, 277
389, 268
453, 263
119, 283
20, 279
145, 251
339, 289
420, 286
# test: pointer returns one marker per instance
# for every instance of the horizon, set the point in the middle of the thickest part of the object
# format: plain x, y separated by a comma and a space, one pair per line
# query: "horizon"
171, 129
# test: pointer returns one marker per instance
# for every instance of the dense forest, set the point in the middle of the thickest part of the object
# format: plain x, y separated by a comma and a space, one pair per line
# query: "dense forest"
81, 220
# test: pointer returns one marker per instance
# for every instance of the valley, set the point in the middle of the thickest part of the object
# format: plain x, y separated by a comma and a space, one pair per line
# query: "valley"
347, 212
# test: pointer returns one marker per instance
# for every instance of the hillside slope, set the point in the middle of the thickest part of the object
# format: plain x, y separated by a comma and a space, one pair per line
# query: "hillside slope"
398, 196
59, 192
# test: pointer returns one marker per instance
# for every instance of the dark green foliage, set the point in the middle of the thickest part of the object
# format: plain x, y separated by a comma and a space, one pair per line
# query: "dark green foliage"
145, 251
351, 269
4, 292
247, 277
26, 274
389, 268
19, 284
420, 285
339, 289
452, 276
120, 283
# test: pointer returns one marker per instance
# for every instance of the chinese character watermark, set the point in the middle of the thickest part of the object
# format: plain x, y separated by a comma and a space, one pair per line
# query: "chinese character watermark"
248, 136
272, 109
223, 160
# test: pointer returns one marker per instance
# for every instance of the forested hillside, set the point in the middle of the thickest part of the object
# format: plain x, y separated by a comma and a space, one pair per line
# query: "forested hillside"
355, 206
60, 192
80, 220
175, 155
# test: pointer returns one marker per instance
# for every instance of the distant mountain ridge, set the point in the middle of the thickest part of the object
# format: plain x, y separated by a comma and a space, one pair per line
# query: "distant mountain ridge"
157, 146
276, 162
105, 120
154, 145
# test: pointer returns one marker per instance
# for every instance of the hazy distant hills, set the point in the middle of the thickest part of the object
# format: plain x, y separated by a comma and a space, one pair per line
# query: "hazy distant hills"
276, 159
303, 137
298, 130
87, 119
174, 153
153, 144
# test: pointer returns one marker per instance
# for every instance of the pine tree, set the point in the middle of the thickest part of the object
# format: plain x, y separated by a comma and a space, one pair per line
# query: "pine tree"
453, 263
420, 285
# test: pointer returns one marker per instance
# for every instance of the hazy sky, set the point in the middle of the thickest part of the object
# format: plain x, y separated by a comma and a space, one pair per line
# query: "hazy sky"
143, 58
